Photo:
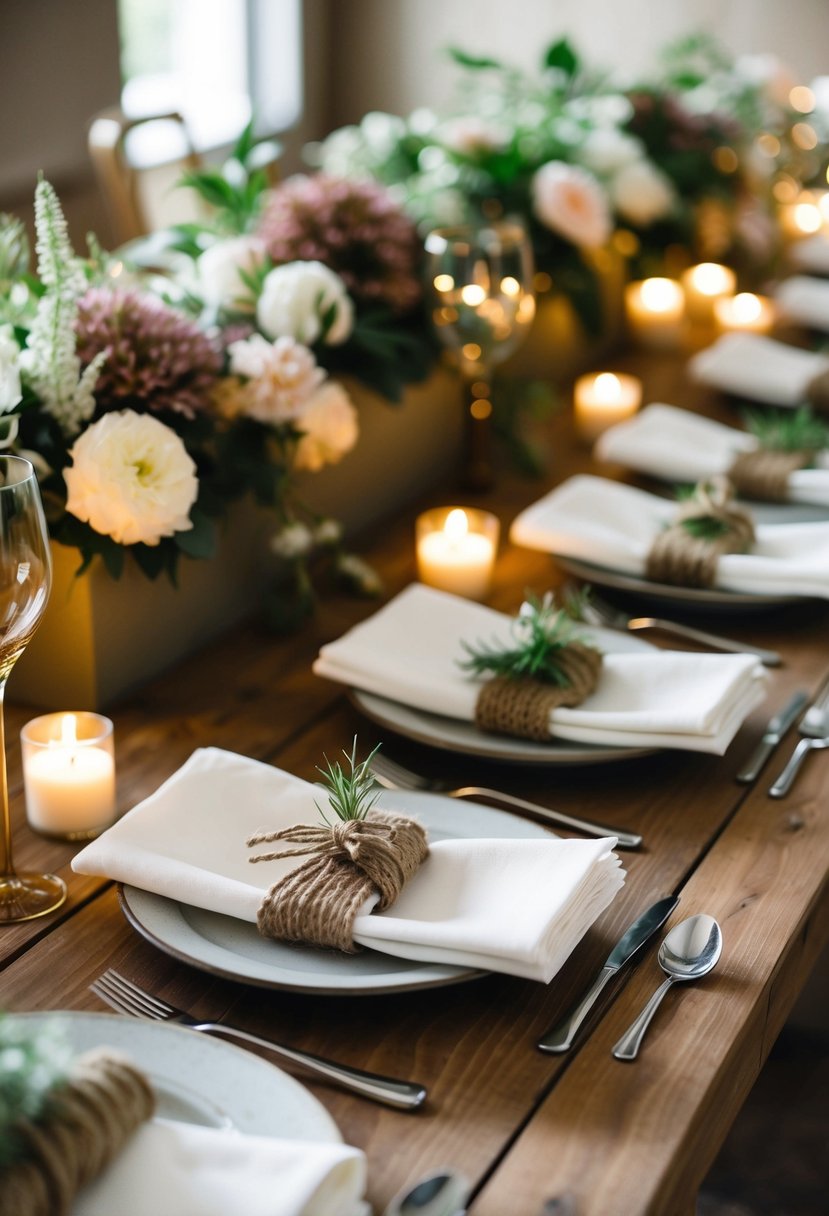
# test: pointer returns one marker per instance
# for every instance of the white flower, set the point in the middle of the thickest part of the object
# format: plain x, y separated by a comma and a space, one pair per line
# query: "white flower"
10, 390
606, 150
642, 193
570, 201
329, 426
219, 268
328, 532
131, 479
472, 135
359, 575
298, 296
601, 110
295, 540
282, 376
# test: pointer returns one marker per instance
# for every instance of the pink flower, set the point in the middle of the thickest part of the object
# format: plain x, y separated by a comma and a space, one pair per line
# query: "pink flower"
280, 377
569, 200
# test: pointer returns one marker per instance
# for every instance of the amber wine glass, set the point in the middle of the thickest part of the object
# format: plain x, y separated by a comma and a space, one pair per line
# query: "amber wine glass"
25, 579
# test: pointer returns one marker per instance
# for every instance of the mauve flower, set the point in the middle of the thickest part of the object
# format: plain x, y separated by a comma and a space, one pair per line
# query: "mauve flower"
131, 479
571, 202
280, 377
296, 299
157, 359
642, 193
329, 428
356, 228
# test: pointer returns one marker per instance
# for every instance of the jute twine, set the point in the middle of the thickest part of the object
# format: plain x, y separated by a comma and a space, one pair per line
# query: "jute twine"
764, 474
90, 1118
817, 393
349, 861
684, 560
522, 707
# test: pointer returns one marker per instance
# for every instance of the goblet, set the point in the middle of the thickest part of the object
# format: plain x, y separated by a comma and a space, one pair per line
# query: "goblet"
25, 579
480, 279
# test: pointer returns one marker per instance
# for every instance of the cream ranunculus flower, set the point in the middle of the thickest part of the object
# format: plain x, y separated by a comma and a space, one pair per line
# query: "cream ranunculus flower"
329, 428
218, 270
297, 297
642, 193
569, 200
131, 479
281, 377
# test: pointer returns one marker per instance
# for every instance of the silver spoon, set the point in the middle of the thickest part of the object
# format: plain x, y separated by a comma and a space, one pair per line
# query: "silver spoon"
443, 1193
691, 950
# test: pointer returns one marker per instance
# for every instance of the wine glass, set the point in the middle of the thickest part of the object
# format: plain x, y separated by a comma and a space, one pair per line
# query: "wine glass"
25, 579
480, 280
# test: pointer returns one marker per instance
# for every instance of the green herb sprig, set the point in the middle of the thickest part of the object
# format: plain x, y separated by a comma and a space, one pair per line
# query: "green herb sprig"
789, 431
540, 633
701, 527
351, 793
33, 1060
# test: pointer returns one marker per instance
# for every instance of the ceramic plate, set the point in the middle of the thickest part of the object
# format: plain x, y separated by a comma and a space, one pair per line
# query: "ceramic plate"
234, 949
203, 1080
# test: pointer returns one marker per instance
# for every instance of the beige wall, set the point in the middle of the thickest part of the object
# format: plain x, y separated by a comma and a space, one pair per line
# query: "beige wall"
388, 52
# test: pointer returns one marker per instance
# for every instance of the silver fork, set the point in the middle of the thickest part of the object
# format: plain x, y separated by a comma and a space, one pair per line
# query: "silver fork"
394, 776
814, 727
596, 611
126, 997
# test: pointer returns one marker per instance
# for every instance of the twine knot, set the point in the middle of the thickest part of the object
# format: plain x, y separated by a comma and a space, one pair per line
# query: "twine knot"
706, 527
522, 707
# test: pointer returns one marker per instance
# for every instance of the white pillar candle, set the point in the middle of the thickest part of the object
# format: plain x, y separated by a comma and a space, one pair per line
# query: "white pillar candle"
703, 284
745, 313
602, 399
456, 550
69, 774
655, 311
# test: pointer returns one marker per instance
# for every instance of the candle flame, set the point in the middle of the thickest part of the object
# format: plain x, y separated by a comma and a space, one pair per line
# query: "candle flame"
746, 307
710, 278
456, 525
807, 217
473, 294
660, 294
608, 386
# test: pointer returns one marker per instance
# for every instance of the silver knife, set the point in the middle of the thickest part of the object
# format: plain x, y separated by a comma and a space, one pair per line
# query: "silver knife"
561, 1036
774, 732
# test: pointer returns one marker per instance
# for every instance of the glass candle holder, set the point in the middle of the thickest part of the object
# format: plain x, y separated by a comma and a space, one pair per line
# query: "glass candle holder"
601, 399
456, 549
703, 284
69, 774
744, 313
655, 312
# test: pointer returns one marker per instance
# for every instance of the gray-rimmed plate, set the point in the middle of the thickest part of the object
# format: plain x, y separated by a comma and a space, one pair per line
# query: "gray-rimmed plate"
202, 1080
234, 949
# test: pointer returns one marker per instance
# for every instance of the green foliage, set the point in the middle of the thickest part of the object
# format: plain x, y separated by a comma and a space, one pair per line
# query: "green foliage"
797, 430
476, 63
34, 1057
521, 410
705, 527
384, 352
540, 633
560, 55
235, 190
351, 793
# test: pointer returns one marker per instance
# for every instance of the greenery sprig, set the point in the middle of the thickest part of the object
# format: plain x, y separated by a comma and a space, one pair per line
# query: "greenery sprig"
351, 793
702, 526
540, 633
789, 431
34, 1058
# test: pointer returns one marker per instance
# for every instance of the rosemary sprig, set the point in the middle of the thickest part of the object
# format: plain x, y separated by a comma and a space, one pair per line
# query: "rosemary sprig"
540, 632
705, 527
351, 793
788, 430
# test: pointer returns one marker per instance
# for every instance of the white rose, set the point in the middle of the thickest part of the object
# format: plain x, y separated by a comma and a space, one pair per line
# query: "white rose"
282, 376
641, 193
131, 479
10, 390
329, 428
296, 297
570, 201
606, 150
220, 268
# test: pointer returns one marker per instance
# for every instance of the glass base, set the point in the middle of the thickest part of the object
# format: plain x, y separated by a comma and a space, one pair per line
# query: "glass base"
25, 896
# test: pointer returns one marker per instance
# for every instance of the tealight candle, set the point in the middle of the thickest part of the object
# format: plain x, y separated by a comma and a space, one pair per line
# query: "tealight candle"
69, 774
703, 284
655, 310
804, 216
745, 312
602, 399
456, 549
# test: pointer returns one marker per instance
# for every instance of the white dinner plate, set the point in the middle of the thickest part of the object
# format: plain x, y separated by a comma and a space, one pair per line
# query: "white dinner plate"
202, 1080
235, 950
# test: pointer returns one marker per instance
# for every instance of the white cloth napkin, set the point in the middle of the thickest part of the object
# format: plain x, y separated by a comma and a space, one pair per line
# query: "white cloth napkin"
614, 525
676, 445
409, 651
804, 300
177, 1169
762, 369
518, 906
811, 253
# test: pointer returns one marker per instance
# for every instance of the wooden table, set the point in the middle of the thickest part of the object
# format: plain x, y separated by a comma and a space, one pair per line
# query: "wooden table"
525, 1127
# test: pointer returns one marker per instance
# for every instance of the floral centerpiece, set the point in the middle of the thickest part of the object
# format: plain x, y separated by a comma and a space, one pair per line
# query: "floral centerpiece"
149, 399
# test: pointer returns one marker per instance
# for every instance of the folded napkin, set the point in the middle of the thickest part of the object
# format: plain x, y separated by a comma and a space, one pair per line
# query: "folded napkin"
677, 445
614, 526
762, 369
408, 651
811, 253
804, 300
177, 1169
518, 906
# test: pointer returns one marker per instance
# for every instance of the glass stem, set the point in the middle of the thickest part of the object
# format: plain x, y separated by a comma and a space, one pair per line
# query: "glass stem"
6, 862
478, 472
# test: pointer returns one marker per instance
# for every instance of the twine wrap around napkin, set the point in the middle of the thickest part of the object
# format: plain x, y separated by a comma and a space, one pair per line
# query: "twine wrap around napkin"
350, 861
679, 558
764, 473
522, 707
90, 1119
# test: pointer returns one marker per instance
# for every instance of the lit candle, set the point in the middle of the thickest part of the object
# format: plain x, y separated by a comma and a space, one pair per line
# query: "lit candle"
601, 400
655, 309
456, 550
745, 312
69, 774
703, 284
804, 216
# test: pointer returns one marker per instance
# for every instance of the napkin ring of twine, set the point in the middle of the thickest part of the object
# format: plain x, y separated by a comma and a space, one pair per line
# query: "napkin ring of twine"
349, 861
817, 393
522, 707
90, 1118
764, 473
681, 558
